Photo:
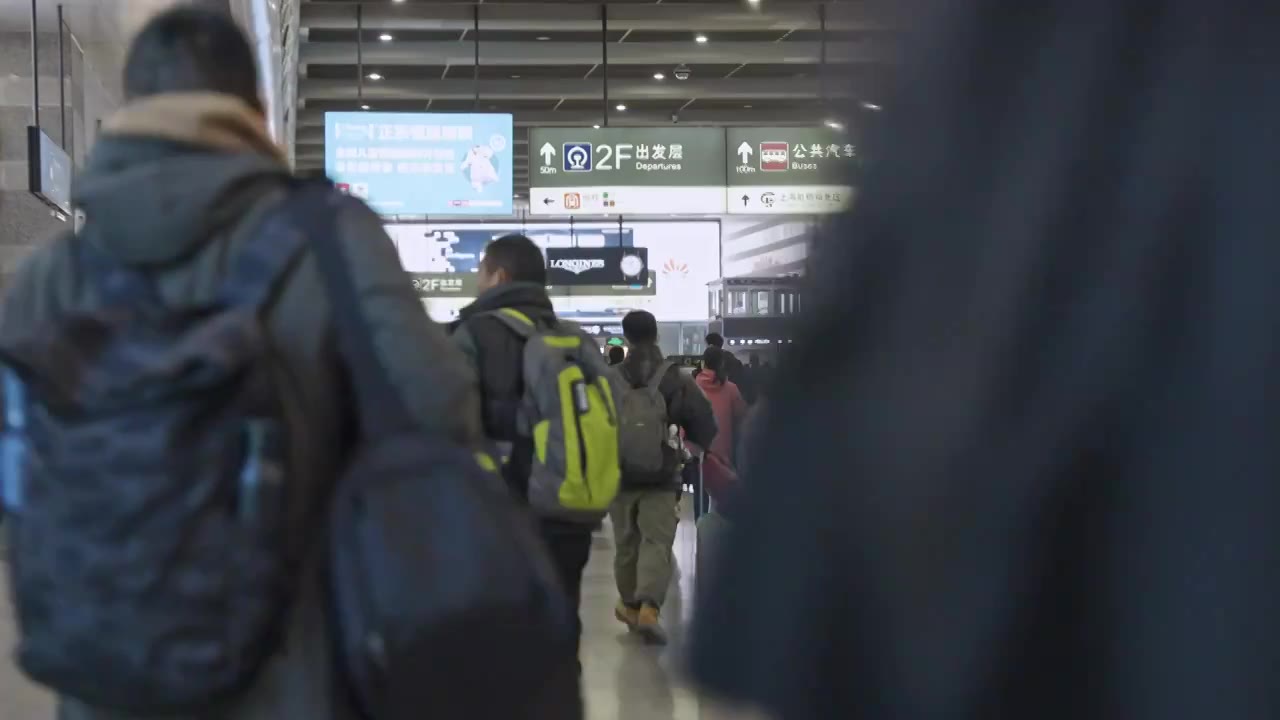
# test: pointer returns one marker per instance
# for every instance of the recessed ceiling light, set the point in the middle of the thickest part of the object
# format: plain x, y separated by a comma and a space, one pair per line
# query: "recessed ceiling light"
515, 77
386, 37
544, 38
748, 107
597, 127
700, 38
834, 125
659, 76
364, 107
622, 108
871, 106
375, 76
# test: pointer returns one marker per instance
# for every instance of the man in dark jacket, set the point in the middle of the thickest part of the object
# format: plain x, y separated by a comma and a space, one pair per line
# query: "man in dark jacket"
513, 276
645, 513
177, 185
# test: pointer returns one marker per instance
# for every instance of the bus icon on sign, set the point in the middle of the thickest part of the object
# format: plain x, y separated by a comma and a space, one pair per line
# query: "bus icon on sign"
577, 157
775, 156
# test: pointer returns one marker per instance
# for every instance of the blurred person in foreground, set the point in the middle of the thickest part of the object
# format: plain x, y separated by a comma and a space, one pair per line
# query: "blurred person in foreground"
658, 402
175, 190
1023, 459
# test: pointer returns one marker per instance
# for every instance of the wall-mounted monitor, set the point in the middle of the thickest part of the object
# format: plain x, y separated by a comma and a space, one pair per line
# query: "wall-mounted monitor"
49, 170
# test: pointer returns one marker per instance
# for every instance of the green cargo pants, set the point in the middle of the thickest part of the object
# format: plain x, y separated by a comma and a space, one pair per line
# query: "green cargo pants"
644, 530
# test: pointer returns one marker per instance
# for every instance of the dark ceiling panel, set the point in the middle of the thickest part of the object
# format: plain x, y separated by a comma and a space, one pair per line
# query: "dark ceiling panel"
759, 65
403, 72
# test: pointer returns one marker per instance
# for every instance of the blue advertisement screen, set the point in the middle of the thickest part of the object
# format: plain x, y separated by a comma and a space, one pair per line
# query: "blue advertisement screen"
422, 163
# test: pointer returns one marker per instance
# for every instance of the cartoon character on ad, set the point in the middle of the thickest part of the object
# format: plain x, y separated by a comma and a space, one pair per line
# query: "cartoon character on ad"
479, 163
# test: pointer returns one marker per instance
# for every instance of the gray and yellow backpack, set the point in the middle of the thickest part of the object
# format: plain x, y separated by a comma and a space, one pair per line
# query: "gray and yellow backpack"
570, 409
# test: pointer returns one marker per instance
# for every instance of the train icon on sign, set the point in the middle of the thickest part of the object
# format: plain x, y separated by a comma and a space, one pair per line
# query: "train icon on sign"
577, 157
775, 156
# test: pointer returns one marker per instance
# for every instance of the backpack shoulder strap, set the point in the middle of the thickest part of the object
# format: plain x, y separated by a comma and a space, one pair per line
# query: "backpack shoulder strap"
315, 208
516, 321
117, 284
262, 261
655, 380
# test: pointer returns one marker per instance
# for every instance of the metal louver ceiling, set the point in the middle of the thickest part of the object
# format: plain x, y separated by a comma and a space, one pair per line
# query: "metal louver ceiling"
765, 62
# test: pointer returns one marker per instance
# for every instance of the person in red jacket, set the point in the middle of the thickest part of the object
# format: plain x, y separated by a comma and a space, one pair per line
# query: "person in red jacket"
726, 399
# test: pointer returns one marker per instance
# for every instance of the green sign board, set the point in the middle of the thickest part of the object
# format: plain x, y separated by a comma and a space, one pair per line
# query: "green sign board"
789, 156
648, 289
789, 170
446, 284
612, 171
464, 285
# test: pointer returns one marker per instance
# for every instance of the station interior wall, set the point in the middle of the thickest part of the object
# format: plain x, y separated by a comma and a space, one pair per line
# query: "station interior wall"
684, 255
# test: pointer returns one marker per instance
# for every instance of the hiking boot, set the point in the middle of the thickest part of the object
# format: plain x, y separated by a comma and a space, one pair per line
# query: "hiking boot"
649, 625
626, 615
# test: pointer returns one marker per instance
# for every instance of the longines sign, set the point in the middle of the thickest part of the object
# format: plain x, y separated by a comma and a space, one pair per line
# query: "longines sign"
598, 266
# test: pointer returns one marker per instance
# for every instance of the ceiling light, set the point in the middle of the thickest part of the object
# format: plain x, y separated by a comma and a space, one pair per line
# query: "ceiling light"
700, 38
622, 108
364, 107
375, 76
596, 127
543, 38
659, 76
748, 107
834, 125
515, 77
871, 106
386, 37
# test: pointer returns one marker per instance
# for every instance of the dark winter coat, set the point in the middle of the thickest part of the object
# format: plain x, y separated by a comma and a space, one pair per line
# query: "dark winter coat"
496, 354
175, 186
687, 407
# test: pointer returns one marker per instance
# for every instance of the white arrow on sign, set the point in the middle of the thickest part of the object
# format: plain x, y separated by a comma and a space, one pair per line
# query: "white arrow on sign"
547, 152
744, 151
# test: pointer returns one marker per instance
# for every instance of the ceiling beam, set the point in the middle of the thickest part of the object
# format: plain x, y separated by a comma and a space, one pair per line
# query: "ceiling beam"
571, 17
384, 55
314, 134
560, 118
551, 89
312, 151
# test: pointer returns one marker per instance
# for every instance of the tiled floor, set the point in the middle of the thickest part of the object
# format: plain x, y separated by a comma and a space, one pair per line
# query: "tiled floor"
623, 679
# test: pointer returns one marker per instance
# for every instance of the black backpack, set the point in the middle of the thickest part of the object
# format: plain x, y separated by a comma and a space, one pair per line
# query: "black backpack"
445, 602
145, 486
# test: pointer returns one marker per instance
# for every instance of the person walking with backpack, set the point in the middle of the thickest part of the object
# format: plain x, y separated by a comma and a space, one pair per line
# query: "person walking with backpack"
531, 367
658, 402
172, 369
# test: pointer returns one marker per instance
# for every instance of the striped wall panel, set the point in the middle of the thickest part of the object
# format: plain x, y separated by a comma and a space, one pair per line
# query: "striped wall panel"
764, 246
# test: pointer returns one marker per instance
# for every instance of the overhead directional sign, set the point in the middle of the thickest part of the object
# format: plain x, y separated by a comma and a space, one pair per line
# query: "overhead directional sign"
627, 171
789, 170
422, 163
